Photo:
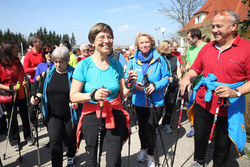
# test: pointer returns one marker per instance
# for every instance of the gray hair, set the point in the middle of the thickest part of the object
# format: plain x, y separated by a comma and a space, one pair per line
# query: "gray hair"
235, 17
32, 39
83, 46
61, 52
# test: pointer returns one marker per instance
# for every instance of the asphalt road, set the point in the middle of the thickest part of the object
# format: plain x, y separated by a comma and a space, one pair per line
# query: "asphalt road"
184, 152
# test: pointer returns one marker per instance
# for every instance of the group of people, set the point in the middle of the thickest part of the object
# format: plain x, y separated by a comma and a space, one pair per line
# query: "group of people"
83, 99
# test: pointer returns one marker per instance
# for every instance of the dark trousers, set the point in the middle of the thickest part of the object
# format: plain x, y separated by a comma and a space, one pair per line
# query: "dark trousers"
114, 138
170, 103
14, 137
203, 121
33, 86
60, 130
147, 128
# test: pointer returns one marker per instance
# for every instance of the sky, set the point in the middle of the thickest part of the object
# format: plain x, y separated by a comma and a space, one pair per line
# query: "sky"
126, 18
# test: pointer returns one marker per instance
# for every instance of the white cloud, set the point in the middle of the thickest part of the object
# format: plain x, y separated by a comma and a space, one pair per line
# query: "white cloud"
124, 8
124, 28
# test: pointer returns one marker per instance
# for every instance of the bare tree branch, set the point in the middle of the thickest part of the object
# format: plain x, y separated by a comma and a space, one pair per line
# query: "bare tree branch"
181, 10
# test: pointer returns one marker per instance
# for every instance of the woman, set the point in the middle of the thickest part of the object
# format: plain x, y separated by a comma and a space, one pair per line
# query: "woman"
102, 79
54, 92
165, 49
150, 64
11, 72
48, 63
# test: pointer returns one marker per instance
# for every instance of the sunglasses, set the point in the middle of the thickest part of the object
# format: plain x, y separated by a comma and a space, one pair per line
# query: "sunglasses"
48, 52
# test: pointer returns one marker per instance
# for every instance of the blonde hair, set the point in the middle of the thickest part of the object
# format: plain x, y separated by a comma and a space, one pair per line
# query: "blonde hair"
152, 41
164, 46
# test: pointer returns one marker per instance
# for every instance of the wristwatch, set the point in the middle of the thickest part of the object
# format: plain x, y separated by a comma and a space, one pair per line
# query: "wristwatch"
92, 95
238, 94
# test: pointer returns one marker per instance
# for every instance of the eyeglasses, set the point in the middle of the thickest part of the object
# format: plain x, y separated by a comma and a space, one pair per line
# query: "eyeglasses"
48, 52
85, 50
102, 38
91, 50
222, 13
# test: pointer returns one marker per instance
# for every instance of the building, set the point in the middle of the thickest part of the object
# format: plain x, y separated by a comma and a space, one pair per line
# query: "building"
203, 18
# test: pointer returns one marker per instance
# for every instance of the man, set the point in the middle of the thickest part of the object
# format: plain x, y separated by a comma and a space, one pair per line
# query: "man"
177, 54
228, 58
72, 59
194, 39
84, 52
31, 61
91, 49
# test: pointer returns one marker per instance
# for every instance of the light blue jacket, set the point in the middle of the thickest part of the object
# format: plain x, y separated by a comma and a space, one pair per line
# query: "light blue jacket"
235, 112
157, 72
74, 117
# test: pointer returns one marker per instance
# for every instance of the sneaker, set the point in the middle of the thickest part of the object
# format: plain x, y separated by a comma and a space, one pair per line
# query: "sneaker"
168, 129
30, 142
151, 161
195, 164
141, 156
70, 162
16, 147
190, 134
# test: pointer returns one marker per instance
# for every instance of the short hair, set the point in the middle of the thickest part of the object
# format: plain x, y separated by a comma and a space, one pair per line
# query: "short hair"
235, 17
47, 47
206, 38
195, 32
61, 52
164, 46
174, 41
146, 35
66, 43
83, 46
97, 28
32, 39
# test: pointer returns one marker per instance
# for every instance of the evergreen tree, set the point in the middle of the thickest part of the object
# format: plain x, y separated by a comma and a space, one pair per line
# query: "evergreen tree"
65, 37
73, 40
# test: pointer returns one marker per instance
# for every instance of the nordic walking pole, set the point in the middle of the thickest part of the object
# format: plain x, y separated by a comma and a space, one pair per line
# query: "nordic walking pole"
11, 116
27, 99
212, 130
129, 84
178, 129
37, 137
155, 122
99, 136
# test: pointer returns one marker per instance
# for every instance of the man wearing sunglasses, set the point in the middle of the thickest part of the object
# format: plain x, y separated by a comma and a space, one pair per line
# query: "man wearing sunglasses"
224, 64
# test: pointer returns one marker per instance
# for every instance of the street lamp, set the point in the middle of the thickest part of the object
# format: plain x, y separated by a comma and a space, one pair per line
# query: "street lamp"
157, 30
163, 31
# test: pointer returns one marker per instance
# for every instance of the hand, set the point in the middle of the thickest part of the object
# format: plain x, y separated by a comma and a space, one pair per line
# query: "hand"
150, 89
133, 74
184, 84
171, 79
101, 94
74, 106
34, 100
225, 92
26, 83
139, 86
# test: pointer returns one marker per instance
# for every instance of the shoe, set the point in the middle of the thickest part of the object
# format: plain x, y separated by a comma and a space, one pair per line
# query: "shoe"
70, 162
190, 134
168, 129
150, 161
16, 147
195, 164
141, 156
31, 142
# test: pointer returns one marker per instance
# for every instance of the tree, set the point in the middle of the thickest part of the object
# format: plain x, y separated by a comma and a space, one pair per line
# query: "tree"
181, 10
73, 40
65, 37
246, 23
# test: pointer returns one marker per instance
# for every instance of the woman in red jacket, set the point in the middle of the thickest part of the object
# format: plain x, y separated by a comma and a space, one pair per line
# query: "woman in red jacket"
11, 71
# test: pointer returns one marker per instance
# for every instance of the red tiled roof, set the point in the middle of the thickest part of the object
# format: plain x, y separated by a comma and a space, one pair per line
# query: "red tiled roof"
212, 5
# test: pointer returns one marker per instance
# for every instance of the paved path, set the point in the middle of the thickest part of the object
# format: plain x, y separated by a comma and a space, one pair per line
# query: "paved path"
184, 153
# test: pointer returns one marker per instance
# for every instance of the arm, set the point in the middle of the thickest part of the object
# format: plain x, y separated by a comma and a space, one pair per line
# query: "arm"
187, 66
186, 81
27, 65
179, 72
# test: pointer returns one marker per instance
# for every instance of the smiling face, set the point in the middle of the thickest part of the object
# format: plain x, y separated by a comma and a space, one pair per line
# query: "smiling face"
144, 44
223, 28
103, 43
